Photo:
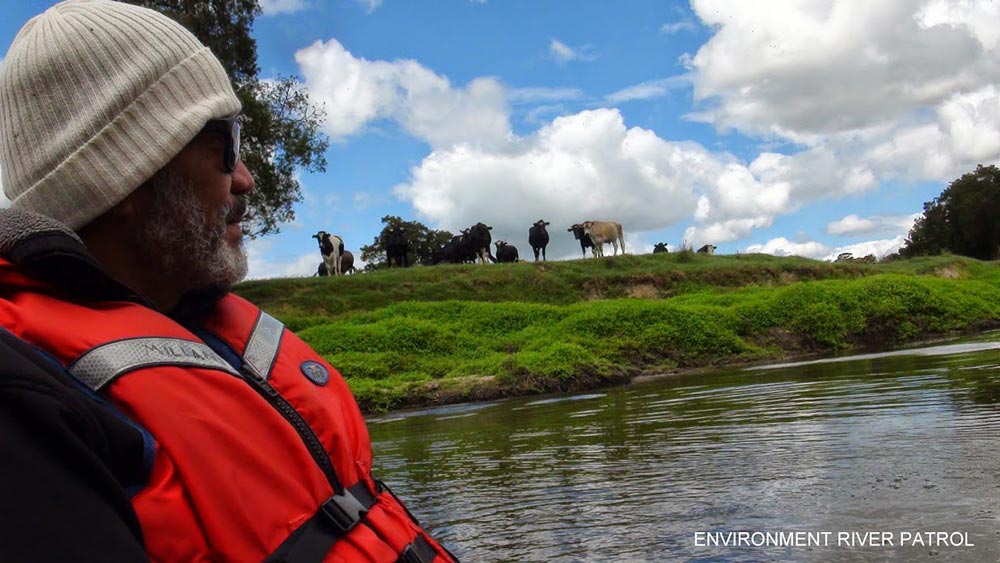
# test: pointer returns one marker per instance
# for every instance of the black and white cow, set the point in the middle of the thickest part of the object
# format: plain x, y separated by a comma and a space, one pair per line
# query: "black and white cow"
331, 247
538, 238
707, 249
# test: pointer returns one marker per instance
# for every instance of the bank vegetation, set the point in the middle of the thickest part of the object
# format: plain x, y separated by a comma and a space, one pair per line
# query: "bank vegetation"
434, 335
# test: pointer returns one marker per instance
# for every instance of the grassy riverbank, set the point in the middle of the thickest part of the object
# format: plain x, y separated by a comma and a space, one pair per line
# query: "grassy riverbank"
452, 333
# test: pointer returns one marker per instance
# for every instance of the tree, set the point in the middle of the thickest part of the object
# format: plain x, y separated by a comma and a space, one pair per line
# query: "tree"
280, 127
964, 219
422, 241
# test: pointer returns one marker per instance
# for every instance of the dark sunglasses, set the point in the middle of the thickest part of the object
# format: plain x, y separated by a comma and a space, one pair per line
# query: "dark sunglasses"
230, 128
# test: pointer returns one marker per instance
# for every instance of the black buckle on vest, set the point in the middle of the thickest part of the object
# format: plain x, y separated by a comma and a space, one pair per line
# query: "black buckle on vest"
344, 510
418, 551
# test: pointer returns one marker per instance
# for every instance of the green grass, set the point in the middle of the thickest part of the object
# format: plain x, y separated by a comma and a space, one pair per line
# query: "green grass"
438, 334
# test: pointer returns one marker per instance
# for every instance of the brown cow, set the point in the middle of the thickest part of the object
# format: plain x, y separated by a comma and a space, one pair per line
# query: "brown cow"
603, 232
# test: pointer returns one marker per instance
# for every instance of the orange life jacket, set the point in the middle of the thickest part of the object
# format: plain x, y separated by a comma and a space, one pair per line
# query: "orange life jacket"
261, 452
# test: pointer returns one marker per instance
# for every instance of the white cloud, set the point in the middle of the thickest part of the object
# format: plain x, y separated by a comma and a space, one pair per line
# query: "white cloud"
356, 91
783, 247
370, 5
260, 267
578, 167
804, 68
878, 248
531, 95
676, 27
275, 7
647, 90
854, 225
563, 53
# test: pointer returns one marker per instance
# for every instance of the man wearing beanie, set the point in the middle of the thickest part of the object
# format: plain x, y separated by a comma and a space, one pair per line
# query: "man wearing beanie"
147, 413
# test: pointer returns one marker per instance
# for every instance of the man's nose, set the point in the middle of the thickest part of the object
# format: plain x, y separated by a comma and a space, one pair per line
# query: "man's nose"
243, 181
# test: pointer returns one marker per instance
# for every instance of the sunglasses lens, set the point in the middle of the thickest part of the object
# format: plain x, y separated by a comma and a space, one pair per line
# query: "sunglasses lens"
234, 153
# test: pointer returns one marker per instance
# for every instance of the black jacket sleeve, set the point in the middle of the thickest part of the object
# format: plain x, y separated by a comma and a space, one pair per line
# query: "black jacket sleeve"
64, 457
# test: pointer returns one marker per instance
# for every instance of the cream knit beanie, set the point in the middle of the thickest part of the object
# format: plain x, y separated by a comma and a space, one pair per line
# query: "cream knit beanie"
95, 97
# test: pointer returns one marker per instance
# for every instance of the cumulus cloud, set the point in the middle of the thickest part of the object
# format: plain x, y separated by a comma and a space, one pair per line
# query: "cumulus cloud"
818, 251
578, 167
260, 265
808, 68
563, 53
783, 247
275, 7
854, 225
869, 92
356, 92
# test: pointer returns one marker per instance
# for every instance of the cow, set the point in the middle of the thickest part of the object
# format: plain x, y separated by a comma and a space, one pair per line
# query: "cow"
538, 238
580, 235
603, 232
321, 270
506, 252
396, 248
660, 247
478, 239
331, 247
707, 249
347, 263
455, 251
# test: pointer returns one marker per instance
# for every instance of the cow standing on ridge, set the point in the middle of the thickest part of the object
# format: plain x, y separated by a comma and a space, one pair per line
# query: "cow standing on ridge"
331, 247
396, 248
580, 235
478, 238
707, 249
602, 232
538, 238
660, 247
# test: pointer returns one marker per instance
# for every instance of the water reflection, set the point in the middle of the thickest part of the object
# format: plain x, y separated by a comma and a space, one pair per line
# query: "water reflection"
891, 442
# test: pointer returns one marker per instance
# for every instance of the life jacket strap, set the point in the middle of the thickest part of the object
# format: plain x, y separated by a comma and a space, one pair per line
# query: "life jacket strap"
337, 516
99, 366
418, 551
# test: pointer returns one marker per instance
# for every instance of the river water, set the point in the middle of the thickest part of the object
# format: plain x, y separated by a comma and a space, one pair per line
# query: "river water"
880, 457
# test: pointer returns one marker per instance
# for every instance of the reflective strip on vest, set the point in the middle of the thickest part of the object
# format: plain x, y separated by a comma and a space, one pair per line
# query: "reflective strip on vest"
262, 347
100, 366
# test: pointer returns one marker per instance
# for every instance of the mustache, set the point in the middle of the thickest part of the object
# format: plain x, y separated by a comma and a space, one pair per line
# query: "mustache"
236, 211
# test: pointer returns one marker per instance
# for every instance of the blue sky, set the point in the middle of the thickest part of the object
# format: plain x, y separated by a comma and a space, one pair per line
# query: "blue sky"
787, 127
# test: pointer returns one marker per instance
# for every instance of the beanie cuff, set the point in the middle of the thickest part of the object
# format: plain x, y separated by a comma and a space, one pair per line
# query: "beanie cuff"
141, 140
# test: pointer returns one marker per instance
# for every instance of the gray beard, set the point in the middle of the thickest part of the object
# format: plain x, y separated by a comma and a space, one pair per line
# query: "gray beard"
181, 240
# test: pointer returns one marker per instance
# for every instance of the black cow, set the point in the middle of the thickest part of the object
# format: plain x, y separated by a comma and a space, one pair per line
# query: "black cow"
506, 252
321, 271
478, 239
455, 251
538, 238
581, 235
396, 248
660, 247
347, 263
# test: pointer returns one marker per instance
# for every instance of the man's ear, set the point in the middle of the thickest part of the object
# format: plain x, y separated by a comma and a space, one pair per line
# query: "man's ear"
135, 204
